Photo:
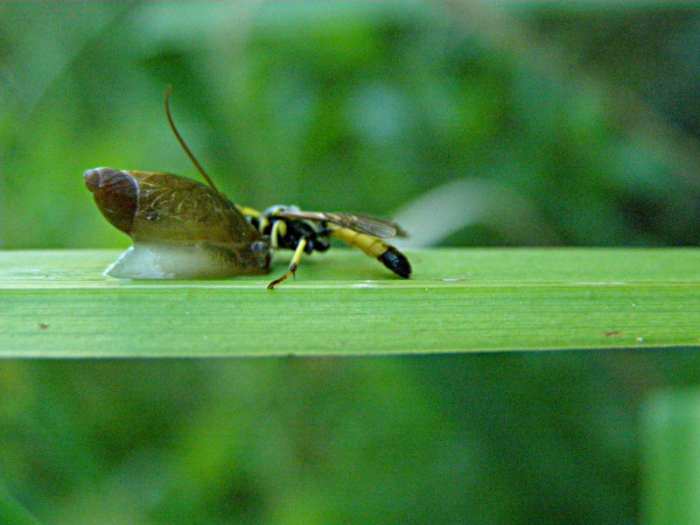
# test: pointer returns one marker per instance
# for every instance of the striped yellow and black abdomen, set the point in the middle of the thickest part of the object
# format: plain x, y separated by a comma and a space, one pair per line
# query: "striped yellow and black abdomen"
376, 248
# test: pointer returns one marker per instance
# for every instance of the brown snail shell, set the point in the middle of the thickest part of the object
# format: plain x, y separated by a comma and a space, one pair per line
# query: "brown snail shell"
181, 228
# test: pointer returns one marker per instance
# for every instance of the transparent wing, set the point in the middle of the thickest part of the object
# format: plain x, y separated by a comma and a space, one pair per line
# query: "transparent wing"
359, 222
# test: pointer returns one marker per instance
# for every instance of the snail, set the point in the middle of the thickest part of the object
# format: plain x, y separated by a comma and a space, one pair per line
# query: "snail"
181, 229
184, 229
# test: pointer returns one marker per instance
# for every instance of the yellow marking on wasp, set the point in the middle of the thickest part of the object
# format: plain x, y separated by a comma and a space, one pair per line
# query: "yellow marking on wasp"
249, 212
372, 246
296, 260
279, 229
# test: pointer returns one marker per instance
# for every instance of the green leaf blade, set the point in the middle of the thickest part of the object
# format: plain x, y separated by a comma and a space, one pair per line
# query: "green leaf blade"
459, 301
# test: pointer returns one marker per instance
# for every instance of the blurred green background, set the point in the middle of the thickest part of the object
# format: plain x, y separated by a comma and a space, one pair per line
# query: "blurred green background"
473, 123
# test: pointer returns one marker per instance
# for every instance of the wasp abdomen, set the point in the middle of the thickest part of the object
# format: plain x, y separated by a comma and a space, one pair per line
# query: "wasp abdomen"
389, 256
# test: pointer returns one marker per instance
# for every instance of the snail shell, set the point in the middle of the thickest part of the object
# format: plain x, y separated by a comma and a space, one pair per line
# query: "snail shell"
181, 229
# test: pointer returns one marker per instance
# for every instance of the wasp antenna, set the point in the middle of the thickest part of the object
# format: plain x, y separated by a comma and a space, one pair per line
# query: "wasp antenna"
182, 141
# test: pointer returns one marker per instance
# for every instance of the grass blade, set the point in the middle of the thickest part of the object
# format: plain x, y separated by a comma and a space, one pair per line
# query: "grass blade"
57, 304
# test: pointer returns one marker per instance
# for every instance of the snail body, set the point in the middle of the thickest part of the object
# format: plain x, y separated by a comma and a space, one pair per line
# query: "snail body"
181, 229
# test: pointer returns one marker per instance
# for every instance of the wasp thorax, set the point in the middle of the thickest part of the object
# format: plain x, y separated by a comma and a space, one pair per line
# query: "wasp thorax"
116, 194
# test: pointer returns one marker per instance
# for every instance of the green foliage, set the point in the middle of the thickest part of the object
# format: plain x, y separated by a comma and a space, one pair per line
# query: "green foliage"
477, 123
671, 427
497, 438
505, 438
12, 512
361, 107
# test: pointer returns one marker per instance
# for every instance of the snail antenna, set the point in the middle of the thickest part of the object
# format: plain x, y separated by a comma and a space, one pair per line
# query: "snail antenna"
182, 142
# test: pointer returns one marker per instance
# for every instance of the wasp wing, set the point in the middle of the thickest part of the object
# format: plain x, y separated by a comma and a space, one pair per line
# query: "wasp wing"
372, 225
359, 222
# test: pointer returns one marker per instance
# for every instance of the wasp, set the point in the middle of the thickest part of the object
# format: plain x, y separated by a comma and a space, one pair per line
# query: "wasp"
183, 229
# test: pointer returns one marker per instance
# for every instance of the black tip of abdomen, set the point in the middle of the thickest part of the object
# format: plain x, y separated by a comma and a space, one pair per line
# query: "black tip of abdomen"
396, 262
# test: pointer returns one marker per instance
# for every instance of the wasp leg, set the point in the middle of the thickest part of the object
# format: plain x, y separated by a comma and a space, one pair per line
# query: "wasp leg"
374, 247
296, 260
